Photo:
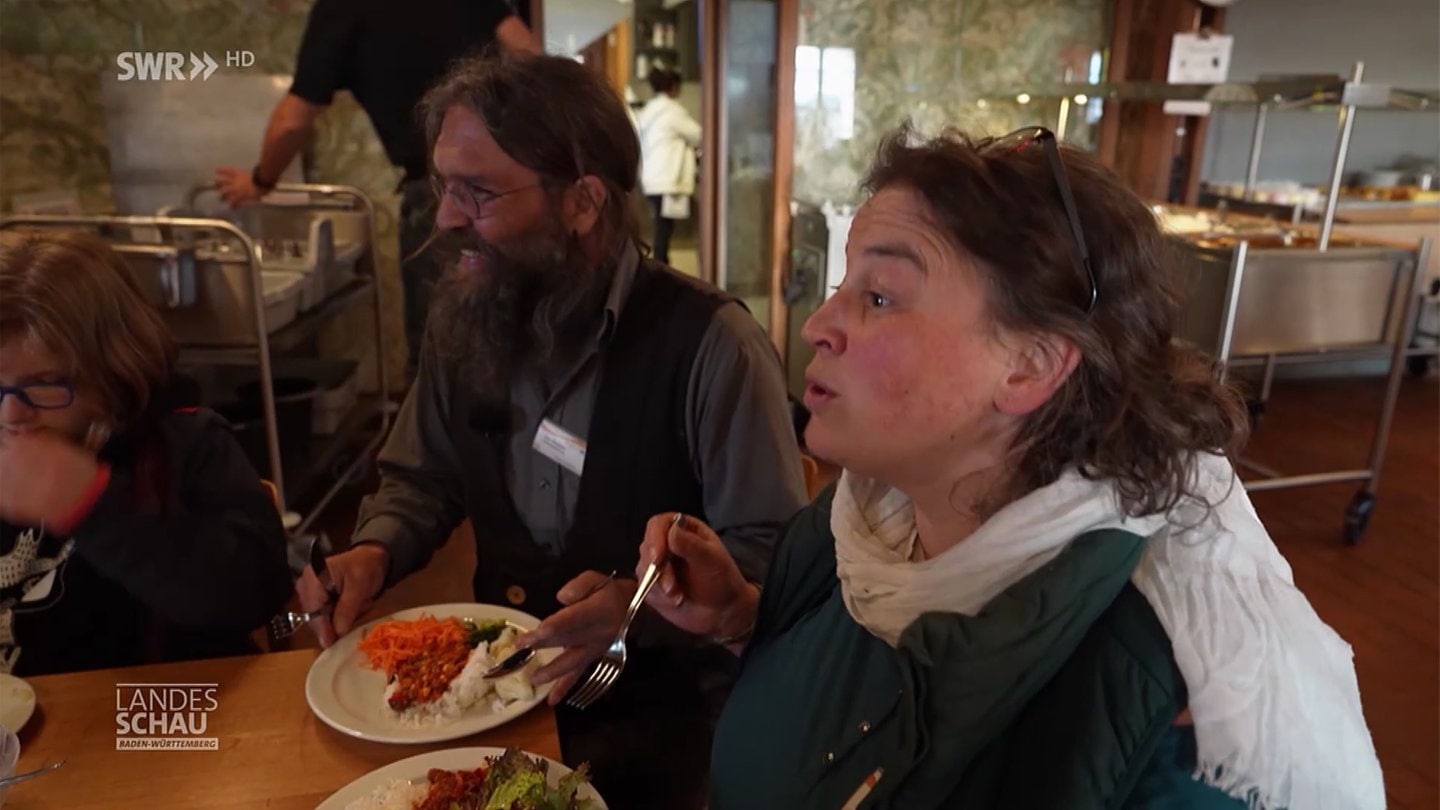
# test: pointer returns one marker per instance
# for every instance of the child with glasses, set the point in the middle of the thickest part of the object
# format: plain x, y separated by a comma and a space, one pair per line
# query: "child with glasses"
132, 527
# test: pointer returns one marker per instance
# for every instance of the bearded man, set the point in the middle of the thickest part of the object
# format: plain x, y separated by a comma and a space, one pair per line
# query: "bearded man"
569, 390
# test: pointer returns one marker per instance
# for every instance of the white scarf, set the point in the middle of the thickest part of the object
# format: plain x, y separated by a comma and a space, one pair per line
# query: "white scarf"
1272, 688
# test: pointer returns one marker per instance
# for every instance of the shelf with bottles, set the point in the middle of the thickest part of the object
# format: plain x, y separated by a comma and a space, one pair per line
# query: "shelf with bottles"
655, 28
658, 35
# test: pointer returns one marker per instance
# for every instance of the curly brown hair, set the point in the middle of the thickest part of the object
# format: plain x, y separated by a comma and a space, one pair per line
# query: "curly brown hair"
1139, 405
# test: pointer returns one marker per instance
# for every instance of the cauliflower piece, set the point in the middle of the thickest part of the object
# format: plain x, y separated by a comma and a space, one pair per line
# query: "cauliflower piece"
503, 646
515, 686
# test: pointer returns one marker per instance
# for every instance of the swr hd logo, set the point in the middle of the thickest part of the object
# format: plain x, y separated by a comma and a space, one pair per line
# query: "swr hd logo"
156, 66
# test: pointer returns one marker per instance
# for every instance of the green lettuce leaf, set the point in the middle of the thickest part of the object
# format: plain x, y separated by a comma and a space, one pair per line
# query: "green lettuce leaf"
517, 782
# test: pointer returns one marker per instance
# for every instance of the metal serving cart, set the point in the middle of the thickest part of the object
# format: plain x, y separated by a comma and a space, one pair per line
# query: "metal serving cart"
1300, 299
239, 292
1251, 304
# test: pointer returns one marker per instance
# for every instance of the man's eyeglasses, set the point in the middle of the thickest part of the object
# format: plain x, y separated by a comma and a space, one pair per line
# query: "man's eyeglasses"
471, 199
1021, 138
41, 396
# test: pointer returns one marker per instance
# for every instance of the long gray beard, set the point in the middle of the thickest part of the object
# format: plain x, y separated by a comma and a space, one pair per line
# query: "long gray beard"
536, 303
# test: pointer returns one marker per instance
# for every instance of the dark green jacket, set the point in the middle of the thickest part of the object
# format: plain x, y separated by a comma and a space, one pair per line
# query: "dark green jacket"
1061, 693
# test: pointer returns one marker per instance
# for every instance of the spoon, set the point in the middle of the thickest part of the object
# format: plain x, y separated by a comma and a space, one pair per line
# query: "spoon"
21, 777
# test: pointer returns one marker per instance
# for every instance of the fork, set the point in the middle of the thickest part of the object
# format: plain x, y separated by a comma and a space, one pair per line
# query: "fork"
612, 663
286, 624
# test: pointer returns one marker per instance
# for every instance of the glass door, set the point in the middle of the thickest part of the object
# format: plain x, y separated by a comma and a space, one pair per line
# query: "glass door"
732, 78
748, 96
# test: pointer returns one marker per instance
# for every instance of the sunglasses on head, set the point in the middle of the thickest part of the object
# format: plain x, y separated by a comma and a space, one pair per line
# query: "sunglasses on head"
1030, 136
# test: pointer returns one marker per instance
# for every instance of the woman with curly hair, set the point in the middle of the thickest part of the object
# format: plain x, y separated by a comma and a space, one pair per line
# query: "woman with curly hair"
1038, 582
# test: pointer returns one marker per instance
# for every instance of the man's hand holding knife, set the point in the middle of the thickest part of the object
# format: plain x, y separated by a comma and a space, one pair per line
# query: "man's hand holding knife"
348, 582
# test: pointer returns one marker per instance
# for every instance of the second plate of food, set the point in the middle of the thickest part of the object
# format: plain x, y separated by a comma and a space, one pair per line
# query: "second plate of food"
416, 676
462, 777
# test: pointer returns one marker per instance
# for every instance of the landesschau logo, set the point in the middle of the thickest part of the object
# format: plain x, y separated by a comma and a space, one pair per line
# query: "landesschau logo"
164, 716
171, 66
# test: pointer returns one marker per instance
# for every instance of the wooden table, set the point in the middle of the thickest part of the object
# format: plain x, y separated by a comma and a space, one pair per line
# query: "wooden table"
273, 751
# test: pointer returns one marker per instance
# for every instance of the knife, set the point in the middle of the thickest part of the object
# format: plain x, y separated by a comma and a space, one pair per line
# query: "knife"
520, 658
317, 563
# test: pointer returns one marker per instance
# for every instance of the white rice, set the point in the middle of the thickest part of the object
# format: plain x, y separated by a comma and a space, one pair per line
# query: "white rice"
469, 688
400, 794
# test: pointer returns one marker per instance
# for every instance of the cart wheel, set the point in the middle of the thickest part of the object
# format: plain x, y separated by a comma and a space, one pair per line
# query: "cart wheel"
1357, 516
1256, 409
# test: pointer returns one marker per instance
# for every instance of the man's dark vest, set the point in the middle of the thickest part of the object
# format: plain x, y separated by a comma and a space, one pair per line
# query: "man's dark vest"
637, 462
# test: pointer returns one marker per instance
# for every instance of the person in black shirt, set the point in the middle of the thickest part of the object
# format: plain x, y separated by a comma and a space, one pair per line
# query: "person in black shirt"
132, 528
387, 54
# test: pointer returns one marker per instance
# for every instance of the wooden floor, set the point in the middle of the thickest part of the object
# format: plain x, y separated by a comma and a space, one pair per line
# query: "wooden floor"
1380, 595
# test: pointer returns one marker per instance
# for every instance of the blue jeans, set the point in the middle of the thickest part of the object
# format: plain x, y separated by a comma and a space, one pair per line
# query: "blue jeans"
418, 273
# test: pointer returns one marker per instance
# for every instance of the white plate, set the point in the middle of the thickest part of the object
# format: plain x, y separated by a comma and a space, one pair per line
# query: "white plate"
17, 702
452, 759
346, 694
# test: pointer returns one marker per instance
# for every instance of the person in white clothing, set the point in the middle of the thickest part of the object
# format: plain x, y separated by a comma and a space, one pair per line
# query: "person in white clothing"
668, 140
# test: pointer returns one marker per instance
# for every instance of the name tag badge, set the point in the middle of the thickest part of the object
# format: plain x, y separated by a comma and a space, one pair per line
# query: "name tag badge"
560, 446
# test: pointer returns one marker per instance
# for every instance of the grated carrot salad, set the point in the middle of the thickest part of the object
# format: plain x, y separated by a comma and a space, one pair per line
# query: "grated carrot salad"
390, 644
